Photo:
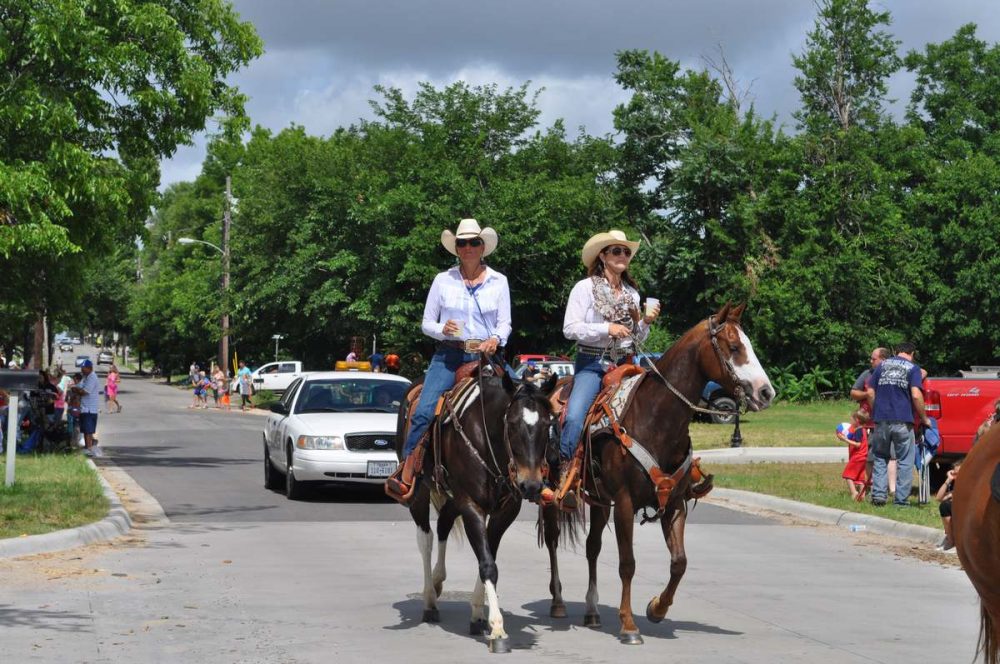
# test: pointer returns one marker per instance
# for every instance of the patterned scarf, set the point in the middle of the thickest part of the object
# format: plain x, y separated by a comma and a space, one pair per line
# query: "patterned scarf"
615, 307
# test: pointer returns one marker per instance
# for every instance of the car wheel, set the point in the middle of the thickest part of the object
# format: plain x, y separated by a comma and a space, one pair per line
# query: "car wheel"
727, 405
294, 489
272, 478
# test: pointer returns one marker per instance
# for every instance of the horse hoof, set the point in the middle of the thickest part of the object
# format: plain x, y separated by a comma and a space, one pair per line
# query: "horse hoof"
630, 638
477, 627
557, 611
432, 615
592, 620
500, 645
649, 612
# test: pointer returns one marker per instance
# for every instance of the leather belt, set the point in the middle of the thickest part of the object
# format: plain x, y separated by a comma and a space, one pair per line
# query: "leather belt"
468, 346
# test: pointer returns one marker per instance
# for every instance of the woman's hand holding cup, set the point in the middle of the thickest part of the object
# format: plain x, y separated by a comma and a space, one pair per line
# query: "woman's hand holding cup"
453, 328
652, 310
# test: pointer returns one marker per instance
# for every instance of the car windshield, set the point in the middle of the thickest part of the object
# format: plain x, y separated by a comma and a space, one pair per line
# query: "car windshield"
350, 395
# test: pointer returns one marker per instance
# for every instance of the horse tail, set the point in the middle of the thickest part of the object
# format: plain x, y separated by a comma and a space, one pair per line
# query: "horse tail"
988, 643
570, 526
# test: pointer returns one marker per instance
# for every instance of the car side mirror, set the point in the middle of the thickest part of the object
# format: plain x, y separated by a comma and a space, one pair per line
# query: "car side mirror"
279, 408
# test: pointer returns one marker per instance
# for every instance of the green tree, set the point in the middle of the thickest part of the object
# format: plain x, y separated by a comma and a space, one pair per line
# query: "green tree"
92, 96
955, 196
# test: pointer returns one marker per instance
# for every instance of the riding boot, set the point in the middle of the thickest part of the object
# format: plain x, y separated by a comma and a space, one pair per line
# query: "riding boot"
569, 476
402, 483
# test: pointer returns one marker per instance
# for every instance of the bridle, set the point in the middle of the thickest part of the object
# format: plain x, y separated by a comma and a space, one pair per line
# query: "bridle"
726, 364
511, 465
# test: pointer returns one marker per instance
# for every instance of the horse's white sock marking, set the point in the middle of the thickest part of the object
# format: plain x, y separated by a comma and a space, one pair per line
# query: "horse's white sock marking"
440, 574
425, 542
496, 618
477, 600
592, 599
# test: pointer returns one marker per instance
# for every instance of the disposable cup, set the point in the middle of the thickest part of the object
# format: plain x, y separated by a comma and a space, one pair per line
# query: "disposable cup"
651, 304
460, 324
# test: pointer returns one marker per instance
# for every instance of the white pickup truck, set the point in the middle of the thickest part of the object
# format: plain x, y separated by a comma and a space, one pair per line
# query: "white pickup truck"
274, 376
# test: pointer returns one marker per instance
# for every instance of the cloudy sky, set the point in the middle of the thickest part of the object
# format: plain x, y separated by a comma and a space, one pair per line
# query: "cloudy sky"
323, 57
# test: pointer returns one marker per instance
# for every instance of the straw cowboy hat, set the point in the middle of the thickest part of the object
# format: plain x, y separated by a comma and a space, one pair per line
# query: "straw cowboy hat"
602, 241
467, 230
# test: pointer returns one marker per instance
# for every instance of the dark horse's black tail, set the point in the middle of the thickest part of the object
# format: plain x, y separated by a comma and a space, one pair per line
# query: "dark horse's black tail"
570, 525
995, 484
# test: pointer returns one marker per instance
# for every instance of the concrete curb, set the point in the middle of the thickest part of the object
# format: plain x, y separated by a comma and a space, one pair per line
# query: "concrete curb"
116, 523
826, 515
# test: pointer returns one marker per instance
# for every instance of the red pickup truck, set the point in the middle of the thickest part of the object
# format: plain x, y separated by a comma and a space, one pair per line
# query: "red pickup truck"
960, 405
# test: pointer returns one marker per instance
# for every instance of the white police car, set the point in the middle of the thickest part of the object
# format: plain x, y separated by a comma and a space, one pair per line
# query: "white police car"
332, 426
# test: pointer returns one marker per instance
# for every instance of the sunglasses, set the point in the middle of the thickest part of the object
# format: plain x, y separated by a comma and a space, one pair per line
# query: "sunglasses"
474, 242
618, 251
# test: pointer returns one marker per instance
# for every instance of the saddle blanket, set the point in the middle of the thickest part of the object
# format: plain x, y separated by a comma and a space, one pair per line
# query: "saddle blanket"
463, 395
618, 402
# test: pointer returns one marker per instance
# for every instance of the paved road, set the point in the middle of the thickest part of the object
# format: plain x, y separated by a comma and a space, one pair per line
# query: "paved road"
243, 575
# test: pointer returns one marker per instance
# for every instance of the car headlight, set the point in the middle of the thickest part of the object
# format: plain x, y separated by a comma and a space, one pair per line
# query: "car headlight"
320, 443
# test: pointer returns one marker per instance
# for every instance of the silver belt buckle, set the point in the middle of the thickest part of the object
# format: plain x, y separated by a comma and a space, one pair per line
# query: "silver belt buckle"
472, 345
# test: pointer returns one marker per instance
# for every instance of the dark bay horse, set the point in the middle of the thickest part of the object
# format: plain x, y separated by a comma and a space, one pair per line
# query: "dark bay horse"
975, 524
716, 349
492, 454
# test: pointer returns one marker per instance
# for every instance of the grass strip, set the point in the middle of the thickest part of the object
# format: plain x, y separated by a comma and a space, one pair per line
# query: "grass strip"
782, 425
818, 484
50, 492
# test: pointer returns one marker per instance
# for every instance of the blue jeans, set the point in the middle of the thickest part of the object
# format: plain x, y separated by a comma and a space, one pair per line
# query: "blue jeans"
889, 435
439, 379
586, 386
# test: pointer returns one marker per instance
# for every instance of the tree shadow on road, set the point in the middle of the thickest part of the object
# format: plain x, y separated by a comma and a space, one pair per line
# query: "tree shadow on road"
157, 456
59, 621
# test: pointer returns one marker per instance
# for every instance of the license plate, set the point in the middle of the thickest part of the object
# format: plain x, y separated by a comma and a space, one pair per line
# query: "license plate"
381, 468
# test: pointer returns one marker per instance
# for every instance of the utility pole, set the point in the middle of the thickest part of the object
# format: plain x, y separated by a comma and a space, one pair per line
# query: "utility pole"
226, 221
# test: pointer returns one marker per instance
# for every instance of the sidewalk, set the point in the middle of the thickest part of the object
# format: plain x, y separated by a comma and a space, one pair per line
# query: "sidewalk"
775, 455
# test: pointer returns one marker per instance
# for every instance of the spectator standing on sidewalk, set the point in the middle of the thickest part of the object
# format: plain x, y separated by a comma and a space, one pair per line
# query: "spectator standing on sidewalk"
392, 363
894, 393
111, 390
859, 393
245, 378
90, 405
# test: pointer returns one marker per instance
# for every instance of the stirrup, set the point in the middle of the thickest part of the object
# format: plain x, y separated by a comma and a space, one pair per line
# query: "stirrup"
569, 485
396, 486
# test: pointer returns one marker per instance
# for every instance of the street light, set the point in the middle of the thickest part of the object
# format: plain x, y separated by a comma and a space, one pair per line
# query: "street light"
277, 338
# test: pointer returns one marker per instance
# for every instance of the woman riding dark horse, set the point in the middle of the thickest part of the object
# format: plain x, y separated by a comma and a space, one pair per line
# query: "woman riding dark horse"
655, 470
489, 453
468, 313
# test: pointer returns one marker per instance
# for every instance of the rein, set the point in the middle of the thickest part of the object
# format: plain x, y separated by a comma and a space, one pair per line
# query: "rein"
713, 331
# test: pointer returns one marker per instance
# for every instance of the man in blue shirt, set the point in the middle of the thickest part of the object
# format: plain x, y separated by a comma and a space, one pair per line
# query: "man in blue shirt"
90, 403
894, 390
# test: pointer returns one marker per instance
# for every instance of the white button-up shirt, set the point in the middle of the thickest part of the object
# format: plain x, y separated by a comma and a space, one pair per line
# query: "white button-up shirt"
450, 299
585, 325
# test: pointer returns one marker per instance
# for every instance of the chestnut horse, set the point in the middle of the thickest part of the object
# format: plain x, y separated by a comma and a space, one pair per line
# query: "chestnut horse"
492, 455
975, 524
716, 349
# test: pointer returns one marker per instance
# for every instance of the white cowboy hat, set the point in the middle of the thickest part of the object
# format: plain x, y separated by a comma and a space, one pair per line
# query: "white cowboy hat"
467, 230
601, 241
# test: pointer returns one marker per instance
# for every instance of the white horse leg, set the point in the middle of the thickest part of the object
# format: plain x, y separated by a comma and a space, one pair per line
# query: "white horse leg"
425, 542
477, 623
440, 573
592, 599
496, 618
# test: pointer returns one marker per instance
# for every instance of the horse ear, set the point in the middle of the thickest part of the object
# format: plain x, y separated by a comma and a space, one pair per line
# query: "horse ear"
721, 314
508, 383
550, 385
737, 312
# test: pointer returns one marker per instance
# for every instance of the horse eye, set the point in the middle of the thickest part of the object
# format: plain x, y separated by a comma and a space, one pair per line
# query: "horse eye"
734, 348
